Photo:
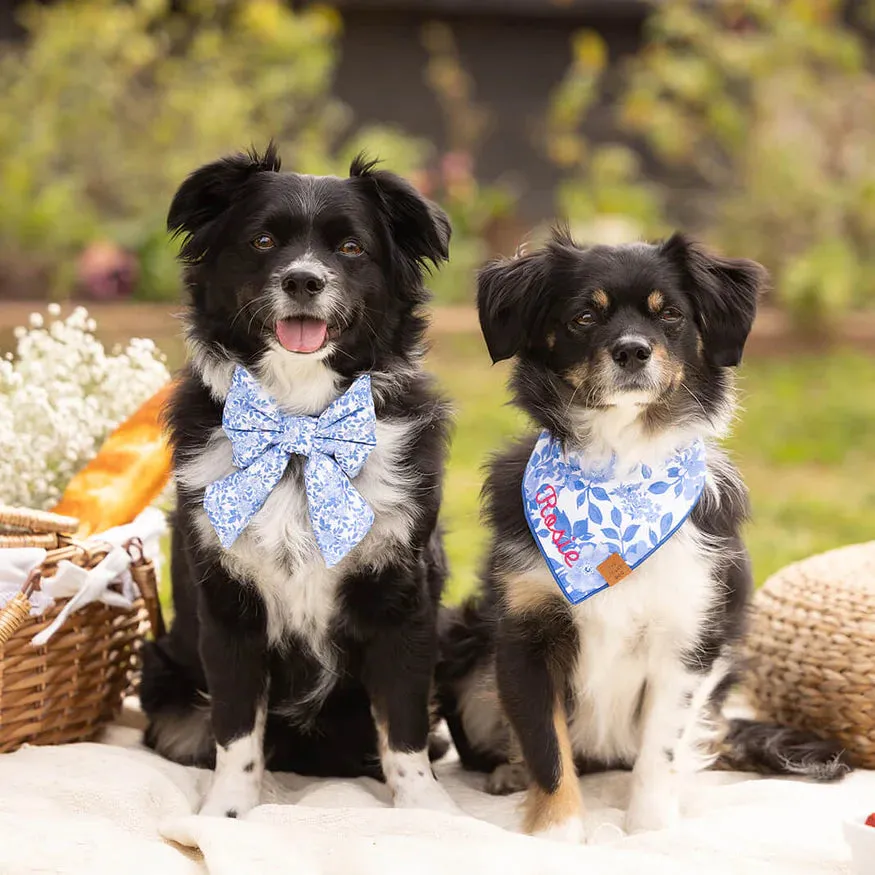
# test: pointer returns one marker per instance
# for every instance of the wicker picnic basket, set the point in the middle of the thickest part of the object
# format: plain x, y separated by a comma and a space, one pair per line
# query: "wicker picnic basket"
811, 648
69, 689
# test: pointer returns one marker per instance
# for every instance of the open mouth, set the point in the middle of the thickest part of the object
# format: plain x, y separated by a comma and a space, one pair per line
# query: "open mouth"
304, 335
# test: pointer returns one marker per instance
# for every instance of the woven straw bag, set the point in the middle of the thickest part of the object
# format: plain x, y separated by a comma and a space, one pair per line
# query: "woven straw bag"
72, 687
811, 648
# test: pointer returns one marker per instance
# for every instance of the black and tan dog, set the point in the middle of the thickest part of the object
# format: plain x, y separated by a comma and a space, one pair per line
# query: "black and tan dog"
621, 354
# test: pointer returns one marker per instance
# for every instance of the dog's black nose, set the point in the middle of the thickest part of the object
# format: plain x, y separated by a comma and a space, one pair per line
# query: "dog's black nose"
631, 355
302, 282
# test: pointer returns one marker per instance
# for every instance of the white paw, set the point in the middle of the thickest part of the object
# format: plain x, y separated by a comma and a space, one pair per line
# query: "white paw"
569, 831
233, 794
236, 784
507, 778
649, 812
225, 802
413, 783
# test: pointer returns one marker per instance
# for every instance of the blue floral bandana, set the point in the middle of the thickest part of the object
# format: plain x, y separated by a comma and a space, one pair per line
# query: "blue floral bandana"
594, 527
337, 443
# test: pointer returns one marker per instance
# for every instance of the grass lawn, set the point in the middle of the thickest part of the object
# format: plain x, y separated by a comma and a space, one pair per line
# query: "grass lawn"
805, 442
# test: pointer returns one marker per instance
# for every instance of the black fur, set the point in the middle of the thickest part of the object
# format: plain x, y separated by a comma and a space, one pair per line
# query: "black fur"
383, 623
724, 295
772, 749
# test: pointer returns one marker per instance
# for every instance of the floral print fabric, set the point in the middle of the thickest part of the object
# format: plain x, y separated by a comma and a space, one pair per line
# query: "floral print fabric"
337, 444
581, 513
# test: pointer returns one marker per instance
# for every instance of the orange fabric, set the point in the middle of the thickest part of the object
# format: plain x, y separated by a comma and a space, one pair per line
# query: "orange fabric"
127, 474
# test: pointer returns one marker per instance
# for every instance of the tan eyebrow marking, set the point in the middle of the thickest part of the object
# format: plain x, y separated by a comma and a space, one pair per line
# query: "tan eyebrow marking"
655, 301
600, 299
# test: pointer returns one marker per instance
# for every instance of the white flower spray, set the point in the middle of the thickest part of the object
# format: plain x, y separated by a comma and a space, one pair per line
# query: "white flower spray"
61, 395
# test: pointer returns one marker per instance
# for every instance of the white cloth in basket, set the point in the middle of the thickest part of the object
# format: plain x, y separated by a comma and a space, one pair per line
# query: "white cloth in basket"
80, 586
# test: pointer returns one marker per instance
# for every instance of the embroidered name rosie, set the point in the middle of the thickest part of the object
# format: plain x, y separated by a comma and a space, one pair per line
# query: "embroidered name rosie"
582, 515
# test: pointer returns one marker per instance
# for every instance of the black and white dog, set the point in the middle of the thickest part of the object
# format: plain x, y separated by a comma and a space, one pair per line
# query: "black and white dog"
621, 355
278, 657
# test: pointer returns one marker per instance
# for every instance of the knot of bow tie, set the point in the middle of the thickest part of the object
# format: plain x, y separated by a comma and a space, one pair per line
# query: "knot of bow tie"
336, 444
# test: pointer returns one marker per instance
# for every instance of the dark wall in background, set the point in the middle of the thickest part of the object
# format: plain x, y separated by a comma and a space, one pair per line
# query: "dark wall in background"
516, 51
8, 27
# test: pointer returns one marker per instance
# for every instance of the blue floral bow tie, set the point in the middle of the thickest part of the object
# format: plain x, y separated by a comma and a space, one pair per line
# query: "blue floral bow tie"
337, 443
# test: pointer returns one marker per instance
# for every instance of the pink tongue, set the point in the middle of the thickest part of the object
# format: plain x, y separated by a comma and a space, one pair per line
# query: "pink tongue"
301, 335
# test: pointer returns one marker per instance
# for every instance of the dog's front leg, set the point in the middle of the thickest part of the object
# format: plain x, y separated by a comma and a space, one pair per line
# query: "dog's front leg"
233, 647
667, 710
531, 684
399, 660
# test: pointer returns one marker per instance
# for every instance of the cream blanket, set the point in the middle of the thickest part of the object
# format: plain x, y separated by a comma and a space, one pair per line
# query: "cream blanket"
116, 808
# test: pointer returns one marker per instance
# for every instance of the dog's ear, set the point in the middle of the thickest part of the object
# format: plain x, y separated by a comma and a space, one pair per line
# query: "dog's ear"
724, 293
208, 192
420, 228
507, 292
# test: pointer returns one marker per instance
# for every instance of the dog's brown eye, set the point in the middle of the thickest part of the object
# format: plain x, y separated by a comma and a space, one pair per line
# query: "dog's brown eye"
351, 248
671, 314
263, 242
585, 318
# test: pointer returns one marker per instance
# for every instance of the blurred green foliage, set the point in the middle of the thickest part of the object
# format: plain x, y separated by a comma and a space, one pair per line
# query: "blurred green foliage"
107, 105
604, 192
760, 114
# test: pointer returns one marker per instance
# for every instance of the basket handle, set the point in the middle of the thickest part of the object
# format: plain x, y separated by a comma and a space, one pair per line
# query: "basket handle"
37, 521
148, 585
17, 609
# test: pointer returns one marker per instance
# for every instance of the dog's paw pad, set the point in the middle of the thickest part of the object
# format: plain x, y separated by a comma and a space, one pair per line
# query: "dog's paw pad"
507, 778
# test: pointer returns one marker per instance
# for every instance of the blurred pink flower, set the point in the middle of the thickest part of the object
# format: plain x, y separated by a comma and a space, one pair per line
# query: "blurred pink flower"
457, 168
423, 181
107, 272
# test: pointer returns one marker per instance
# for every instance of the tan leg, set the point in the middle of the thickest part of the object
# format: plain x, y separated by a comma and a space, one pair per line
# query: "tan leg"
536, 646
557, 815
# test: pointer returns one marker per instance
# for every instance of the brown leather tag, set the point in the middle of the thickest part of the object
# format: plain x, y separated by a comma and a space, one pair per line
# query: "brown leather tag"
614, 569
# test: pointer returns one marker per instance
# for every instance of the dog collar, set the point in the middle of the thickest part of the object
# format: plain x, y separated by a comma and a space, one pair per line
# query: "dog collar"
594, 525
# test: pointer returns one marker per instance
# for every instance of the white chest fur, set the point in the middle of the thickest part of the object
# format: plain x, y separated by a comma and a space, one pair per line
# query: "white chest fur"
631, 634
277, 552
